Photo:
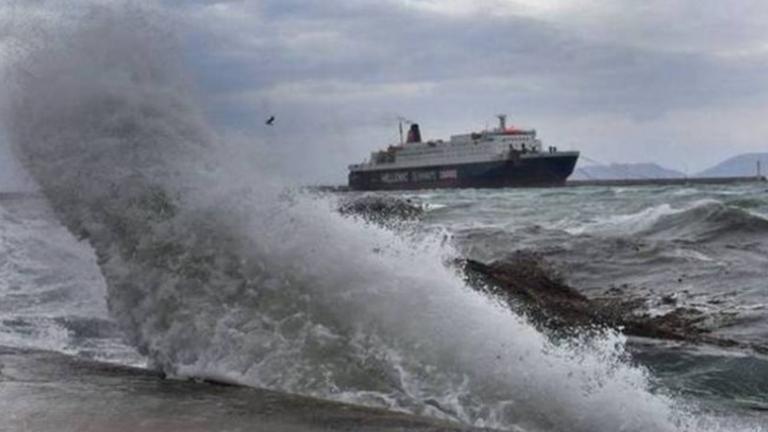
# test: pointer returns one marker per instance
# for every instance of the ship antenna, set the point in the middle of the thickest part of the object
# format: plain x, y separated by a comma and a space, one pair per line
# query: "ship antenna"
400, 121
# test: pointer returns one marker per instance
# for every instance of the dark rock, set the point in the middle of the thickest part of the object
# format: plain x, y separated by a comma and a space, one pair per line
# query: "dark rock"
669, 299
524, 281
381, 209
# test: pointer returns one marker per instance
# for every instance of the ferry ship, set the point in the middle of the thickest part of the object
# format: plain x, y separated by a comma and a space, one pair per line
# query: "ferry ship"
501, 157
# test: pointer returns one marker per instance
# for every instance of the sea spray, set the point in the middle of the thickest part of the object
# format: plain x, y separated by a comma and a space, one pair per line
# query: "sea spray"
215, 270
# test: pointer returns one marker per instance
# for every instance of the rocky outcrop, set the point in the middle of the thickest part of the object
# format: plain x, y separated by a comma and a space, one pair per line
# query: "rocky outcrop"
526, 283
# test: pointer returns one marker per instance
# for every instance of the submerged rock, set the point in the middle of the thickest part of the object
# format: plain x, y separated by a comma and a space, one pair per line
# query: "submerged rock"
381, 209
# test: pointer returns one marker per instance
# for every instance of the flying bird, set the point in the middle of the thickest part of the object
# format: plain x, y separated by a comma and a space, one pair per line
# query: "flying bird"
270, 120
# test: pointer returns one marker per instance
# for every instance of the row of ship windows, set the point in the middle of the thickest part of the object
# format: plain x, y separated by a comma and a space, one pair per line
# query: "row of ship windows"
443, 154
432, 153
429, 151
470, 149
416, 153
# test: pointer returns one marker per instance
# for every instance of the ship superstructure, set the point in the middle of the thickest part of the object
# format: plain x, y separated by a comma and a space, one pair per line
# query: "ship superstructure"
501, 157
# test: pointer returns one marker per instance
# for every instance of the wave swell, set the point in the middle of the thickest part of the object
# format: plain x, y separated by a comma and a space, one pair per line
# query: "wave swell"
700, 221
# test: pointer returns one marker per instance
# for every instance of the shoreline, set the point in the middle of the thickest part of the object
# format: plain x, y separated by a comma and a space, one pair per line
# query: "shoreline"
49, 391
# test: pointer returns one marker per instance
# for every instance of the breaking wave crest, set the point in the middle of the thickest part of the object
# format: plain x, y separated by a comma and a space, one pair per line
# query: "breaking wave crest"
703, 220
216, 271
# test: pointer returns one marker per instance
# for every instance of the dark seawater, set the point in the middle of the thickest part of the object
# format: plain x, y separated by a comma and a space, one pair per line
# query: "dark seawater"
52, 295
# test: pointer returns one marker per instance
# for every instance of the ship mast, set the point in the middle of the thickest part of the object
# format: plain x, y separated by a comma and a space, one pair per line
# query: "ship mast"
400, 121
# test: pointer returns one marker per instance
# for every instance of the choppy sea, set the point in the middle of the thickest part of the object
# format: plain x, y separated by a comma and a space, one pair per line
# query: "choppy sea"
702, 248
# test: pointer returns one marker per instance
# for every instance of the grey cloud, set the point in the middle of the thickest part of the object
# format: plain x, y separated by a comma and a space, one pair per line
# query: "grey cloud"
380, 44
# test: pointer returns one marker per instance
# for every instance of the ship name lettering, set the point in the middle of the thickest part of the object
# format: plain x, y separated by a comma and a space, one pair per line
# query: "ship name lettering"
424, 175
394, 177
449, 174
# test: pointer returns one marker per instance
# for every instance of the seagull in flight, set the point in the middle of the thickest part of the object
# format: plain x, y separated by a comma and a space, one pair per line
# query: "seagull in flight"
270, 120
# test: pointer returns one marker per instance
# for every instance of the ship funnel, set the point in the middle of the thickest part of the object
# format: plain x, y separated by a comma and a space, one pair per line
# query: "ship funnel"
414, 135
502, 122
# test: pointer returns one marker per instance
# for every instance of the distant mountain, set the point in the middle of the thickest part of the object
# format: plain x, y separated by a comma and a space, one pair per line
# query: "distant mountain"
624, 171
741, 165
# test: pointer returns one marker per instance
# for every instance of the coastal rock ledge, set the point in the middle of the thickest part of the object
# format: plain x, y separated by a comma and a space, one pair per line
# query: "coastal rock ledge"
50, 392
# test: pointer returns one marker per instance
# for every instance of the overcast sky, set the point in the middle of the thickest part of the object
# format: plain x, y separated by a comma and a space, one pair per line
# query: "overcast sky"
683, 83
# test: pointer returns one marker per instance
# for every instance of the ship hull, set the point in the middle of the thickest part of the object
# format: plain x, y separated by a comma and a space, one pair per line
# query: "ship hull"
545, 170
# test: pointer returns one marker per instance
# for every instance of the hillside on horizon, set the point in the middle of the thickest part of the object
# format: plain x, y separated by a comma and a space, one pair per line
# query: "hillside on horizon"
739, 165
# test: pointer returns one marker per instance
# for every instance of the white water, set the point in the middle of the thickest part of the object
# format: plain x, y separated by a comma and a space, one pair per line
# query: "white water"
215, 270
